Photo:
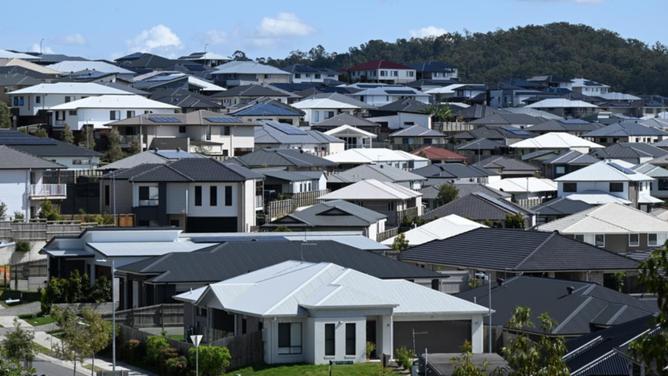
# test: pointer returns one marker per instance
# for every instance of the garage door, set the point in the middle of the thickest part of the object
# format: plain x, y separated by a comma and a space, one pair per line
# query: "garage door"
211, 224
435, 336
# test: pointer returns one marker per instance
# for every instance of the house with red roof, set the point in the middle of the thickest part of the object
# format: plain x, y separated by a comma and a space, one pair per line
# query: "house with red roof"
382, 71
437, 154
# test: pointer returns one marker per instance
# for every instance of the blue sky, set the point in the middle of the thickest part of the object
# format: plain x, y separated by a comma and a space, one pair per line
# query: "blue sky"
273, 28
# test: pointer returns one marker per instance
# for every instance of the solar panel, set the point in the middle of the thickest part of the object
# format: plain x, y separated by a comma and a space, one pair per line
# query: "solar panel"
287, 129
164, 119
622, 169
222, 119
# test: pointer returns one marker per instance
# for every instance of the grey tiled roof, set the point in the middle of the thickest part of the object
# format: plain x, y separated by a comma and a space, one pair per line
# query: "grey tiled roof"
283, 158
517, 250
378, 172
560, 207
417, 131
505, 163
481, 144
187, 170
336, 213
451, 170
629, 150
42, 147
572, 157
251, 91
625, 128
478, 207
405, 105
271, 132
14, 159
345, 118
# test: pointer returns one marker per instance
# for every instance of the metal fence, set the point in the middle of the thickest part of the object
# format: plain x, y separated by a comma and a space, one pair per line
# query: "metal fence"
154, 316
387, 234
280, 208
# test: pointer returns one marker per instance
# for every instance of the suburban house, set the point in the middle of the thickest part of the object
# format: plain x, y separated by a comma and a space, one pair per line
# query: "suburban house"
196, 194
21, 183
336, 215
43, 97
353, 137
321, 107
481, 148
416, 135
557, 141
282, 184
558, 208
441, 173
435, 70
439, 155
317, 313
402, 113
380, 156
287, 159
565, 107
660, 176
381, 71
526, 192
268, 110
438, 229
483, 208
505, 253
576, 127
207, 132
625, 131
379, 172
152, 156
631, 152
208, 58
275, 135
609, 181
579, 307
431, 193
241, 95
393, 200
73, 66
566, 162
378, 96
346, 119
508, 121
301, 73
237, 73
187, 100
99, 111
585, 86
67, 155
507, 167
160, 277
613, 226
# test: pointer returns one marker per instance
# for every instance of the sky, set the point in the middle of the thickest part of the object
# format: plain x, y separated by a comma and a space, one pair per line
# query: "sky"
274, 28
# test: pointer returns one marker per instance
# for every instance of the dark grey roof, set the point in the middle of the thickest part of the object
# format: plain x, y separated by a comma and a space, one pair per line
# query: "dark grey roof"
432, 66
481, 144
560, 207
267, 108
589, 306
11, 159
198, 117
292, 176
283, 158
234, 258
515, 250
565, 126
275, 133
183, 98
345, 118
252, 91
625, 128
378, 172
463, 189
478, 207
336, 213
505, 165
42, 147
493, 133
409, 105
503, 118
187, 170
451, 171
417, 131
571, 157
626, 150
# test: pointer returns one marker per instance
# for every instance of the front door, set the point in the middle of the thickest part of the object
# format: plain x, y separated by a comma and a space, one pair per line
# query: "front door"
371, 336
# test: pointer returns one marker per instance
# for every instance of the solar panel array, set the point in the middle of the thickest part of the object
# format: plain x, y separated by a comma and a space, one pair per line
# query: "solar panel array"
164, 119
222, 119
287, 129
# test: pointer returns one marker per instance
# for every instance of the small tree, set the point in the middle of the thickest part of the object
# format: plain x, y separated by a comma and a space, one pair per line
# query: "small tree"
400, 243
18, 346
514, 221
13, 368
67, 135
22, 246
154, 347
447, 193
99, 333
87, 140
40, 132
5, 116
48, 211
18, 216
440, 112
134, 147
75, 340
114, 151
464, 364
213, 360
3, 211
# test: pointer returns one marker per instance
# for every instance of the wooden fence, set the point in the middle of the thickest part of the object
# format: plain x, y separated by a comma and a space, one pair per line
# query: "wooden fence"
155, 316
280, 208
42, 230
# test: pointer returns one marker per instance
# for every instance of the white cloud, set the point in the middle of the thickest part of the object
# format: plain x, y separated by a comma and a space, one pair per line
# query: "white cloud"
76, 39
44, 49
216, 37
283, 24
427, 32
157, 37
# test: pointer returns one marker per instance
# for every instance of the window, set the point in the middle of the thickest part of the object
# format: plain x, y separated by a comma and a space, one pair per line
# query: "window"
350, 338
213, 195
289, 338
226, 131
427, 141
148, 196
330, 114
182, 129
395, 73
244, 326
570, 187
663, 184
652, 239
67, 99
72, 112
559, 170
634, 240
198, 195
60, 115
599, 240
298, 75
579, 237
112, 115
317, 75
107, 195
616, 187
383, 73
129, 114
38, 99
228, 196
330, 341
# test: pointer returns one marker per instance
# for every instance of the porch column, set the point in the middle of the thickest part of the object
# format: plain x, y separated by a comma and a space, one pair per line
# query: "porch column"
387, 345
477, 335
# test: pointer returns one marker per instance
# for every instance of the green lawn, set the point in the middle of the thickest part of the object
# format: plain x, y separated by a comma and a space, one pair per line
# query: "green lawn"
176, 337
361, 369
37, 320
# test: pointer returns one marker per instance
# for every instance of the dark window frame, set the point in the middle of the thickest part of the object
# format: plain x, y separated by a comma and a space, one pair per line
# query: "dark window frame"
351, 338
228, 195
198, 195
330, 339
213, 195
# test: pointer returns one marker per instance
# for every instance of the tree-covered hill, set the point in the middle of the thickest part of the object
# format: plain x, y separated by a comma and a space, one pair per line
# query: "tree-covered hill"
560, 49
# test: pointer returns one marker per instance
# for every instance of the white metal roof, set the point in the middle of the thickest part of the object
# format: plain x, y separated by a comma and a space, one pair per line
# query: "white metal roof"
70, 66
555, 140
204, 84
372, 155
323, 103
439, 229
613, 218
561, 103
285, 288
607, 170
114, 101
372, 189
597, 198
349, 129
4, 54
528, 184
137, 249
71, 88
450, 89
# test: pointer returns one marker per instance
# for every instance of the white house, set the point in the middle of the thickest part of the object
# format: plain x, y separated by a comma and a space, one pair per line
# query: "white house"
352, 136
272, 134
382, 71
320, 108
101, 110
556, 141
22, 189
526, 191
382, 95
322, 312
236, 73
585, 87
438, 229
380, 156
31, 100
608, 181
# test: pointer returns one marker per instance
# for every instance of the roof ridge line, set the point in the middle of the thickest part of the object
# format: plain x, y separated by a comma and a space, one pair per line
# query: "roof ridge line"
572, 314
552, 235
168, 165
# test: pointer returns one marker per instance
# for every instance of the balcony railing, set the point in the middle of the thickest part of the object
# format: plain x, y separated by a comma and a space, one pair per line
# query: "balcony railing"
387, 234
48, 190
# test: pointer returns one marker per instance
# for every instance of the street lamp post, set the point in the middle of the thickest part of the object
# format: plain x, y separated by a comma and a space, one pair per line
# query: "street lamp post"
113, 314
196, 339
488, 277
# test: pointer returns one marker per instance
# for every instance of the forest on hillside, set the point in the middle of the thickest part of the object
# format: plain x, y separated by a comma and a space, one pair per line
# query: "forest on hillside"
561, 49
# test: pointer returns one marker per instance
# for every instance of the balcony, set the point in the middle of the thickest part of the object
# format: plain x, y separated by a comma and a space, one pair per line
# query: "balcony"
48, 191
